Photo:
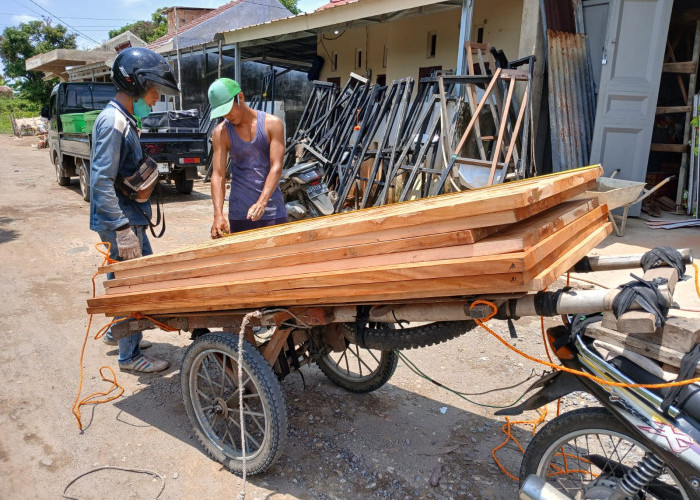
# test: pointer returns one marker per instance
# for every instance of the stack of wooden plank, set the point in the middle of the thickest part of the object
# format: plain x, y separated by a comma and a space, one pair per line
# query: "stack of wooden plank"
508, 238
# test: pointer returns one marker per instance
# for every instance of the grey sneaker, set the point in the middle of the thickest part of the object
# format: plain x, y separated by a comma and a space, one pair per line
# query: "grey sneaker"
144, 344
145, 364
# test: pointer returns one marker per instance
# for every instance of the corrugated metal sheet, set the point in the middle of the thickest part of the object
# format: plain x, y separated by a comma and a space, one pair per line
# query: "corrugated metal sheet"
571, 100
560, 15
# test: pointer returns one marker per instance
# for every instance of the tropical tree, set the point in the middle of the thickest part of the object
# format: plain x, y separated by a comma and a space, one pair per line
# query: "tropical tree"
19, 43
147, 31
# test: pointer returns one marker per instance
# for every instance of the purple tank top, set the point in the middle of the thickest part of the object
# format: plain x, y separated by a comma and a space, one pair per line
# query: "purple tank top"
250, 165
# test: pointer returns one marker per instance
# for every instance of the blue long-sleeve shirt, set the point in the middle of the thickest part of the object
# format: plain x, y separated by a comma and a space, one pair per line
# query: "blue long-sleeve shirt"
115, 150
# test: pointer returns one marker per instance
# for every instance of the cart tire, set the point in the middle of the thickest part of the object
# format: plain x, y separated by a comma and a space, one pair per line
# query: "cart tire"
388, 337
357, 369
209, 380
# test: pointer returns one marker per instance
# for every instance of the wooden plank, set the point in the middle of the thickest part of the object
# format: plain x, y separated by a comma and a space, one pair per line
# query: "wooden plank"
679, 333
643, 347
670, 110
501, 131
481, 208
687, 67
511, 240
641, 321
569, 258
432, 279
669, 148
529, 259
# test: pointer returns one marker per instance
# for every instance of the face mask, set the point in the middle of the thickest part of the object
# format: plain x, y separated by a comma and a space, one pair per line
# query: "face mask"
141, 109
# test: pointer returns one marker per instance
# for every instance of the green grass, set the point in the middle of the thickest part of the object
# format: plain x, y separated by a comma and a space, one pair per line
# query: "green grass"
6, 125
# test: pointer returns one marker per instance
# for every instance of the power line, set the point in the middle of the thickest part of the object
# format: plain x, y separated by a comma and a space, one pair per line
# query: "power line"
71, 27
82, 18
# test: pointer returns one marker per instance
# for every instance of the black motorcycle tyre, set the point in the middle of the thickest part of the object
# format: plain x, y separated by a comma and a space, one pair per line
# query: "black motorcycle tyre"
595, 418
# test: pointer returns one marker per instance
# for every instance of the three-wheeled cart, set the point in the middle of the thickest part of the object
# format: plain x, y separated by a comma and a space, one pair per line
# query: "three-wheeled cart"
355, 346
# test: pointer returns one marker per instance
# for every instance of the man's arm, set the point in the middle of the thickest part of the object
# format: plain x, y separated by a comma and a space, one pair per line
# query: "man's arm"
275, 135
104, 166
220, 145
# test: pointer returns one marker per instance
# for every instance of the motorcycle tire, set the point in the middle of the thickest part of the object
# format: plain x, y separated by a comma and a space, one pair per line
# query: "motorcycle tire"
587, 425
389, 337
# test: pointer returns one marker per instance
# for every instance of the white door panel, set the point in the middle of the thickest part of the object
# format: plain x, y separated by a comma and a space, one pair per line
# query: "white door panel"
629, 86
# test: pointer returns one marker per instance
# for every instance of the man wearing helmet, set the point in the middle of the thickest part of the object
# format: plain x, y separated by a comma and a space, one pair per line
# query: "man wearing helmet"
141, 76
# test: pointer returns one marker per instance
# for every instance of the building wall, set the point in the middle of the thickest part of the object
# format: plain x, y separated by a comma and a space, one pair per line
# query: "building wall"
185, 15
407, 41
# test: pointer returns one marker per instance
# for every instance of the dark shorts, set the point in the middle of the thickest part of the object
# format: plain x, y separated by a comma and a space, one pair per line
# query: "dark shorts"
236, 226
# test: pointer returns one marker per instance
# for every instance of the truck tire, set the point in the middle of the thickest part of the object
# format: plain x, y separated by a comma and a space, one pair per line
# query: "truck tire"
60, 178
386, 337
182, 184
84, 178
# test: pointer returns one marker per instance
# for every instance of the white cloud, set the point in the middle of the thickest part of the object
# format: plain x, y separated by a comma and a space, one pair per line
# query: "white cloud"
24, 18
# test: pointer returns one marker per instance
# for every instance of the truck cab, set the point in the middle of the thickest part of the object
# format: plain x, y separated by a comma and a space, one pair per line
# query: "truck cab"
177, 150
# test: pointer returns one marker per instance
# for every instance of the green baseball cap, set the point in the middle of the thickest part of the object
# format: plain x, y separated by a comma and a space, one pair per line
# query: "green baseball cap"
221, 94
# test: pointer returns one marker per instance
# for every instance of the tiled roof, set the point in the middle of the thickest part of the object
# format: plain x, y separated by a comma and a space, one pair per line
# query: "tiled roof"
230, 16
335, 3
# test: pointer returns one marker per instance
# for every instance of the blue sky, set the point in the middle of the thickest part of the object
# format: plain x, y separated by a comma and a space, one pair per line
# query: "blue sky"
92, 19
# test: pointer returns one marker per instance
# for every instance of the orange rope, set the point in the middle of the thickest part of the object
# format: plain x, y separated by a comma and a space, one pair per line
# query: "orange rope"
89, 399
481, 323
509, 437
542, 414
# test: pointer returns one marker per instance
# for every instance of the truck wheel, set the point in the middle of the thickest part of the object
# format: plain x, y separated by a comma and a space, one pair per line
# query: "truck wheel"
182, 184
60, 178
209, 380
84, 178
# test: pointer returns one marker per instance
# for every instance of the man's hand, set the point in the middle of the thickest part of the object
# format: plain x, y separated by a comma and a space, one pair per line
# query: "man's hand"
256, 211
219, 228
128, 244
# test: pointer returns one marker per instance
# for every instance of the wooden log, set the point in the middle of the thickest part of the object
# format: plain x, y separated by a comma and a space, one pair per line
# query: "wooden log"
533, 234
481, 208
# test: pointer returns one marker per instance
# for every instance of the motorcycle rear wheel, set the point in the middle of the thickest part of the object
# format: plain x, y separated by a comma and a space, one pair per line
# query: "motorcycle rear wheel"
556, 454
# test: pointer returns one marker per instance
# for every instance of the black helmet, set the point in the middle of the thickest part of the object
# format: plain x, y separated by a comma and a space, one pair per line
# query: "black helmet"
137, 68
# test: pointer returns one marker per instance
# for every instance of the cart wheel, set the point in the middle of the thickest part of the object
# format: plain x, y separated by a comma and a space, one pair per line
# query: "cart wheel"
357, 369
209, 379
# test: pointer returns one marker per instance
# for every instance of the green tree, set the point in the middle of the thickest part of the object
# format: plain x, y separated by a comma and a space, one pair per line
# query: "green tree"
147, 31
19, 43
291, 5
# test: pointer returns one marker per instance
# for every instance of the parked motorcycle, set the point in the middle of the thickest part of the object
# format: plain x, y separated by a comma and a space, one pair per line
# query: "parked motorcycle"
633, 447
305, 193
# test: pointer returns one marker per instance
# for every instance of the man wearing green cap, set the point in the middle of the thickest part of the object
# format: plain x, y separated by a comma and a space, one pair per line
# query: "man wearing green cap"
254, 140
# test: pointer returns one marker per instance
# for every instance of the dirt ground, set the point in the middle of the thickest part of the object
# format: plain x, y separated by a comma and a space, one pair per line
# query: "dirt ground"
387, 444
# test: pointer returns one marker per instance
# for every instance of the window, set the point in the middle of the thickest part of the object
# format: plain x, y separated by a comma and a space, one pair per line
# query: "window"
358, 59
385, 56
480, 35
334, 62
381, 79
432, 44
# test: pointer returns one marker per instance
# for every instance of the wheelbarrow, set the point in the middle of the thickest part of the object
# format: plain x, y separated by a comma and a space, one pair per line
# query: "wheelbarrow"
619, 193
